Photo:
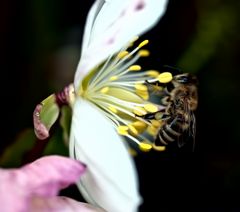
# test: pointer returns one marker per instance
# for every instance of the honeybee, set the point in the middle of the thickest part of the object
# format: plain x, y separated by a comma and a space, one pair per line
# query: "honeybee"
178, 119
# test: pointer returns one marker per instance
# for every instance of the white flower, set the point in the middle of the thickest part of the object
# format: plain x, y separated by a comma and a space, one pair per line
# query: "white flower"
107, 98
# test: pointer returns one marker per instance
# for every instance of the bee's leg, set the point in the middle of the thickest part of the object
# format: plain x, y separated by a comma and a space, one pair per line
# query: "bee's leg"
165, 100
150, 116
179, 125
173, 127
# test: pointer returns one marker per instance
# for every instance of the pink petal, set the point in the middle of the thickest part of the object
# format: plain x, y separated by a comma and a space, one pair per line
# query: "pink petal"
46, 176
12, 196
42, 178
57, 204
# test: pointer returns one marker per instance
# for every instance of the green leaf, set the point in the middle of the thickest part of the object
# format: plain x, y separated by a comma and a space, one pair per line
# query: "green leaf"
13, 155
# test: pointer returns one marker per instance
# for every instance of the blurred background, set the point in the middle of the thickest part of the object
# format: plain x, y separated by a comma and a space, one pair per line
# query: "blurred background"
40, 44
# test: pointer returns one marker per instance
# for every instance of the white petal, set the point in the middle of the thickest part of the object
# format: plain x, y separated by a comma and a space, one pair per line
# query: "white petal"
110, 179
115, 24
101, 15
92, 14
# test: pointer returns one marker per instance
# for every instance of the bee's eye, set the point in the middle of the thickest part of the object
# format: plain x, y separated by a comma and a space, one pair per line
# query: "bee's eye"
184, 79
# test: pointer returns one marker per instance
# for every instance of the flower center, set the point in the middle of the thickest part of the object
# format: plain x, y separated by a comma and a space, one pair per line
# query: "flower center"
118, 89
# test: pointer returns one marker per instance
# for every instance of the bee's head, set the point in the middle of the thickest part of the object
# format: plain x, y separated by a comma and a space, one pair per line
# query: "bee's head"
185, 79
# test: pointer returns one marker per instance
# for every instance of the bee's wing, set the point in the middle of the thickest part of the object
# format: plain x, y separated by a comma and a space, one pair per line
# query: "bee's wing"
193, 128
110, 180
190, 121
189, 134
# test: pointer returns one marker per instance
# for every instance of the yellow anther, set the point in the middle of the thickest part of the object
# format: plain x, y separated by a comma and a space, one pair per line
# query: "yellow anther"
165, 77
156, 123
134, 68
123, 127
139, 124
143, 94
113, 109
151, 108
113, 78
141, 87
145, 42
122, 54
139, 111
159, 148
152, 73
145, 147
151, 130
122, 130
144, 53
133, 129
104, 90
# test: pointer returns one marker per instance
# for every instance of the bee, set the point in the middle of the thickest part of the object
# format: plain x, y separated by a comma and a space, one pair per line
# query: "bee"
178, 119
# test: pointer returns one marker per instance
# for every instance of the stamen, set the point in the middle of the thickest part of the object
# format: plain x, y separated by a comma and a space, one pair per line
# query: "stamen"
139, 111
151, 108
122, 130
139, 124
133, 129
122, 54
159, 148
145, 42
143, 94
134, 68
165, 77
124, 69
141, 87
145, 147
156, 123
151, 130
133, 139
113, 109
113, 78
121, 109
144, 53
100, 73
118, 89
152, 73
104, 90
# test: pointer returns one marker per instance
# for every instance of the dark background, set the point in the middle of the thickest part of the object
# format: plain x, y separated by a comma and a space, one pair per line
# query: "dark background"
40, 45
